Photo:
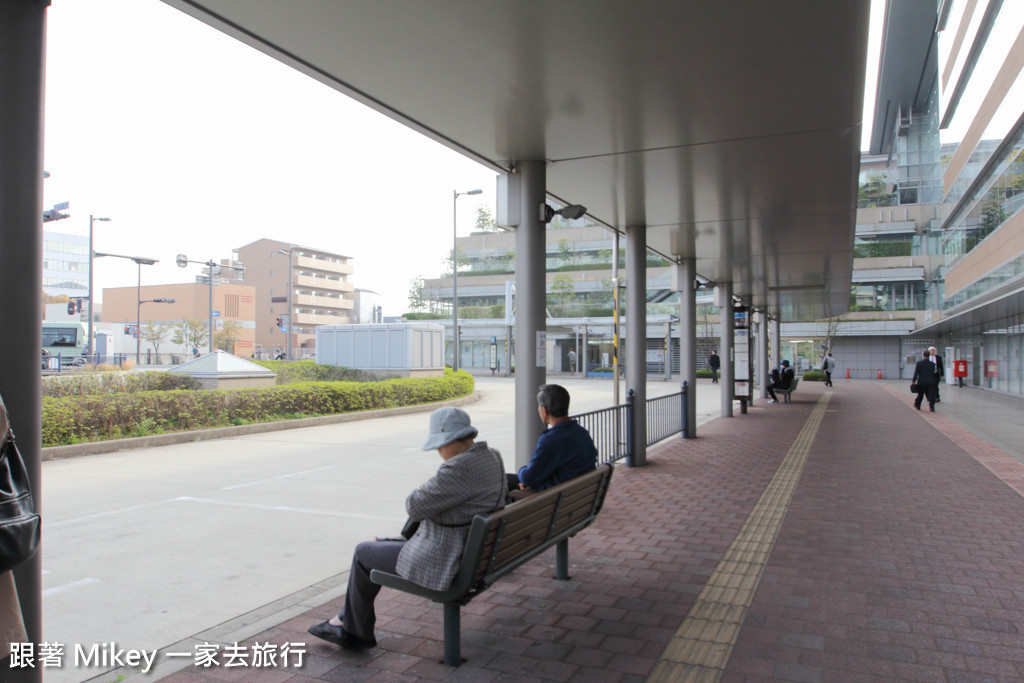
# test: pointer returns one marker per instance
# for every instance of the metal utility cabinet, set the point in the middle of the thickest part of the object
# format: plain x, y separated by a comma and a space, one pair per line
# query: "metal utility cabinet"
403, 349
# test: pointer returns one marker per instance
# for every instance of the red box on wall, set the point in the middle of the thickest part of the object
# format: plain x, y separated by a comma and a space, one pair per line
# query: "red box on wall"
992, 368
959, 368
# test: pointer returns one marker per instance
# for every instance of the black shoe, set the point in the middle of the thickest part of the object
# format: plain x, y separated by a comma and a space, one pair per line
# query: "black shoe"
918, 406
339, 636
931, 408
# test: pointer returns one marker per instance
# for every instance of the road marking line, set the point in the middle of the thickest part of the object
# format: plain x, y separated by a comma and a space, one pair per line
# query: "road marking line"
288, 508
68, 586
283, 476
105, 513
700, 649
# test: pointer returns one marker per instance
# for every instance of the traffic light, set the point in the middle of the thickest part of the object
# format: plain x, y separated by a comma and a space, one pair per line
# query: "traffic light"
279, 323
127, 329
71, 308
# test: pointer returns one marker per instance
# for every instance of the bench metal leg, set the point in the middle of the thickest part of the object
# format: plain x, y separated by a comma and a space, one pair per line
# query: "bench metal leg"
562, 560
452, 634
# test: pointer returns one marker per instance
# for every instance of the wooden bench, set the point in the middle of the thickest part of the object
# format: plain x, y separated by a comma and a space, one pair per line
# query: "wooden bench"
786, 392
502, 541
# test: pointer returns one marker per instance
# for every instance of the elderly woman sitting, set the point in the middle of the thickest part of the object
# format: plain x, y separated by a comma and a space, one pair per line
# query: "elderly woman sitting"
470, 481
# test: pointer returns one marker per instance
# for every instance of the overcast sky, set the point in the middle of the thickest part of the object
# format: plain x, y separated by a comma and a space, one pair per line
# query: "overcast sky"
194, 143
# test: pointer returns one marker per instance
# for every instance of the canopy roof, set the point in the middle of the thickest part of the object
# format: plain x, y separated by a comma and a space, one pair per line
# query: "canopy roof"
730, 128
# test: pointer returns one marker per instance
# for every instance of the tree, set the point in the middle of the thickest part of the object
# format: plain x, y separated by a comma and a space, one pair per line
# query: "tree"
191, 333
562, 289
484, 220
831, 329
417, 295
565, 252
155, 334
992, 216
225, 338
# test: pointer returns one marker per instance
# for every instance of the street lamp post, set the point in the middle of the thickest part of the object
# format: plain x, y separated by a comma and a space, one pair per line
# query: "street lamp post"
141, 261
88, 341
183, 261
291, 323
455, 278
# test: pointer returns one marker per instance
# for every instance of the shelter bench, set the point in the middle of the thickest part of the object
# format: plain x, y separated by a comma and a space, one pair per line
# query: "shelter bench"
786, 392
504, 540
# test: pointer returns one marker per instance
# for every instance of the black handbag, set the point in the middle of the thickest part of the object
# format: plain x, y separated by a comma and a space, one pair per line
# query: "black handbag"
913, 388
19, 523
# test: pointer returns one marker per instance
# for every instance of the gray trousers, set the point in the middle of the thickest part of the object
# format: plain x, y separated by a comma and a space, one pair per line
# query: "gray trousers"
358, 616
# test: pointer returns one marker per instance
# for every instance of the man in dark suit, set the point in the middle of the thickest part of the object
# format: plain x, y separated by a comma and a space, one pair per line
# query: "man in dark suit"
783, 380
940, 371
714, 362
926, 381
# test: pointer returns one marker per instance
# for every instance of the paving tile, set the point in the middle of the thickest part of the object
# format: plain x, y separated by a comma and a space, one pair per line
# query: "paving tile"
899, 557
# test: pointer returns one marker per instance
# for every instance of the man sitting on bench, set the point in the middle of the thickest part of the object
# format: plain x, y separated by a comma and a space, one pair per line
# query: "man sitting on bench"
564, 450
470, 481
781, 381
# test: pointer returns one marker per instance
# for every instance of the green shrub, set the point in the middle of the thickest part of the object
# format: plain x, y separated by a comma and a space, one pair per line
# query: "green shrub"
291, 371
113, 383
813, 376
96, 417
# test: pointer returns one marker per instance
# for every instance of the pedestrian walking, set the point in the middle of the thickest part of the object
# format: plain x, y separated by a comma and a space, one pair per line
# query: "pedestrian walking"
940, 370
714, 362
828, 366
924, 378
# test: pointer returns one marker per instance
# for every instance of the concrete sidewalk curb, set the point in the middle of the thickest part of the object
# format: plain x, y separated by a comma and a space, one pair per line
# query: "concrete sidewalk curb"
238, 629
115, 445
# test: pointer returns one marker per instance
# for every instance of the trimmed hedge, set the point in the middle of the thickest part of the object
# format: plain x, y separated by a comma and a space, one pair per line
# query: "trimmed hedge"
98, 417
289, 371
114, 383
814, 376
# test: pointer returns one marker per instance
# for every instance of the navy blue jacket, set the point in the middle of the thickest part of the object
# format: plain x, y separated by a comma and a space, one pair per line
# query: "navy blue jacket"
563, 451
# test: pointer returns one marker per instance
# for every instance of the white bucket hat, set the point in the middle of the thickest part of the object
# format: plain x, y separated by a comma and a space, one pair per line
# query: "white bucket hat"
447, 425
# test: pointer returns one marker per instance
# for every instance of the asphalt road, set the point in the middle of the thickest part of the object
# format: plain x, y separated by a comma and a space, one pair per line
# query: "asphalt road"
145, 548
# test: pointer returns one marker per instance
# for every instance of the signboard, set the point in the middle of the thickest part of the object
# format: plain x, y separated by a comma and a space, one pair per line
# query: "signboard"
542, 349
278, 299
992, 368
215, 314
494, 356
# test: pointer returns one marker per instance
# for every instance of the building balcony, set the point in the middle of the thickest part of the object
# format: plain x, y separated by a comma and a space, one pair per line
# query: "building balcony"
323, 283
314, 301
323, 265
322, 319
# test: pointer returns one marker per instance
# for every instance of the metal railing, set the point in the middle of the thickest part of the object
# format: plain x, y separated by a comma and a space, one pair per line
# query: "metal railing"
609, 429
612, 428
664, 417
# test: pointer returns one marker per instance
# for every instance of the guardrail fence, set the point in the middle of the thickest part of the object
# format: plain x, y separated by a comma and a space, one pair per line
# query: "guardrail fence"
612, 428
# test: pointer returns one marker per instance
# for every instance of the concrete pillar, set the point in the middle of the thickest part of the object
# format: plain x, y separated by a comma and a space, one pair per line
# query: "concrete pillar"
762, 355
583, 354
725, 347
686, 275
531, 326
775, 342
636, 336
22, 60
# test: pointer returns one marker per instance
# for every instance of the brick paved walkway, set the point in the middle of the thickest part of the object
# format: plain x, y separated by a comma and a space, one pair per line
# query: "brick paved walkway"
900, 556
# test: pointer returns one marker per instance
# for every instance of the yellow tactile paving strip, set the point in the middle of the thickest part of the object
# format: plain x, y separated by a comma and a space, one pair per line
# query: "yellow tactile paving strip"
700, 649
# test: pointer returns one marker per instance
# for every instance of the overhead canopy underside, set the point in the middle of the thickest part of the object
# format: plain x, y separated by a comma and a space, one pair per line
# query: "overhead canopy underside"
731, 129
